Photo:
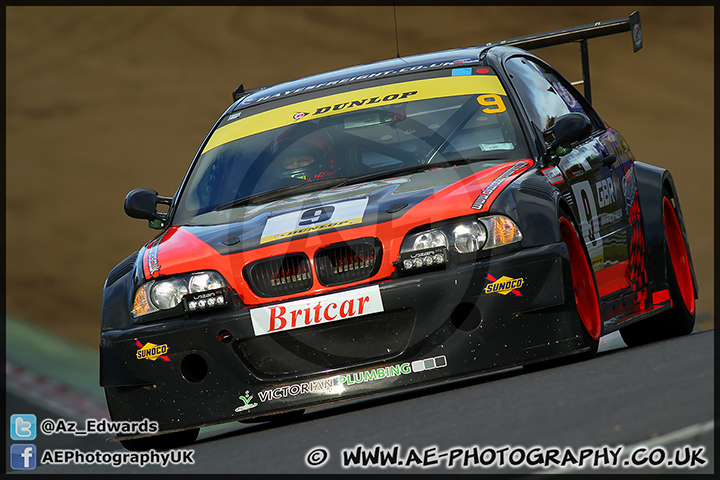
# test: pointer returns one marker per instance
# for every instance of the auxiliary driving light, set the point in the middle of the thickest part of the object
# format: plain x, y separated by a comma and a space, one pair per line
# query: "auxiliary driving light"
204, 300
433, 257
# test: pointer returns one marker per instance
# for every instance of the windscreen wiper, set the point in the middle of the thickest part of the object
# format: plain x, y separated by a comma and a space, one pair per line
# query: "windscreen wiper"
270, 195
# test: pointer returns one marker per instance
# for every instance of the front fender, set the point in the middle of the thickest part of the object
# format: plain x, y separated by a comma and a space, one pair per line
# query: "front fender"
534, 204
117, 294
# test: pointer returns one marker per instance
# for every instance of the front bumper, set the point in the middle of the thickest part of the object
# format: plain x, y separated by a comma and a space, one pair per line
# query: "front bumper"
435, 327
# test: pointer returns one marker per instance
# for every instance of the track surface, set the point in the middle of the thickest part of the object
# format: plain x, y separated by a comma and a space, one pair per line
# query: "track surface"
644, 396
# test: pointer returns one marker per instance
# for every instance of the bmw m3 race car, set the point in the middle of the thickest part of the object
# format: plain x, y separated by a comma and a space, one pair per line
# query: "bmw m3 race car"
391, 226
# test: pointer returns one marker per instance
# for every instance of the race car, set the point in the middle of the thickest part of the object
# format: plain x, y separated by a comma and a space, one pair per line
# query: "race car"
391, 226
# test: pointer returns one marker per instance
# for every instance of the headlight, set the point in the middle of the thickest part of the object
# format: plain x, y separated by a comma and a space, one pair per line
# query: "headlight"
430, 239
168, 293
430, 248
468, 237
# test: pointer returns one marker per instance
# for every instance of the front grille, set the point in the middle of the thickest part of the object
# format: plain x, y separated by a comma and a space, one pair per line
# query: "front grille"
279, 275
348, 262
352, 341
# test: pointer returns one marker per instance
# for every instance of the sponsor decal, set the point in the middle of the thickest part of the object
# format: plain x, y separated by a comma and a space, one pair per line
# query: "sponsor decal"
392, 371
356, 100
338, 383
637, 37
359, 78
577, 162
314, 219
299, 115
606, 192
246, 402
150, 351
393, 97
503, 285
553, 175
153, 265
487, 191
312, 311
589, 222
629, 186
461, 71
567, 97
325, 385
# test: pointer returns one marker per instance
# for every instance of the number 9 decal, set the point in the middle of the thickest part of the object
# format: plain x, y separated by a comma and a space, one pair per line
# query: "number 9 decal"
316, 215
314, 219
491, 100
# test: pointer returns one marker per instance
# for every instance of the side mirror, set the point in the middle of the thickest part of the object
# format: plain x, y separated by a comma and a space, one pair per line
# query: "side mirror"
142, 203
567, 130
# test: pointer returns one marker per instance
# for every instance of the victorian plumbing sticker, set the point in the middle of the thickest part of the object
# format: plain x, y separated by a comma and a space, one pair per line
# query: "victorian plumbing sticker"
246, 402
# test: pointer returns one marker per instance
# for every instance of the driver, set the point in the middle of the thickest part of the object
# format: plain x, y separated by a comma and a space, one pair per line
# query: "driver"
310, 158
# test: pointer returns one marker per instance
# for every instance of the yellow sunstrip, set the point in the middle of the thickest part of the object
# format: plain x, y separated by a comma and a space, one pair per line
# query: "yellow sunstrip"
363, 99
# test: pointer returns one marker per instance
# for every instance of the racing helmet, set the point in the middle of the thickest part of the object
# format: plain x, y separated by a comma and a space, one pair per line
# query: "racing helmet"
309, 157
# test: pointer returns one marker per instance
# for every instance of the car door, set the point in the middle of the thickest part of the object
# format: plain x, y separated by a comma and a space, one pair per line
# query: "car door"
595, 171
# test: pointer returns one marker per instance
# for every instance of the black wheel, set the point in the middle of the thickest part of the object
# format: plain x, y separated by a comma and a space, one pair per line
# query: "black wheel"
680, 319
586, 296
165, 441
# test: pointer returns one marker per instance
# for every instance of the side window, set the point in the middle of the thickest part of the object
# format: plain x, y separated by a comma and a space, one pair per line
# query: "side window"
544, 94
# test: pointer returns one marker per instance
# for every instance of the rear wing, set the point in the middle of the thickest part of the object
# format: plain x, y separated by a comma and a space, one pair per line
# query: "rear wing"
580, 34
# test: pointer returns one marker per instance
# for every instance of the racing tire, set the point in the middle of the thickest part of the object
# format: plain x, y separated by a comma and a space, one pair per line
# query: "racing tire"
584, 287
586, 297
164, 441
680, 318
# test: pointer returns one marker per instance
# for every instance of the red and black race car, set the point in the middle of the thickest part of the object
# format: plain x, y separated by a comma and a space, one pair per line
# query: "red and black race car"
391, 226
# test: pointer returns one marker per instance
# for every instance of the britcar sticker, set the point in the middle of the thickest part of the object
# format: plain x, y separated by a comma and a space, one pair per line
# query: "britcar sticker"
504, 285
150, 351
312, 311
338, 383
308, 220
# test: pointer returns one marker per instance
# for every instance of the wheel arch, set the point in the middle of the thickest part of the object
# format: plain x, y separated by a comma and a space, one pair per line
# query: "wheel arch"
117, 294
651, 181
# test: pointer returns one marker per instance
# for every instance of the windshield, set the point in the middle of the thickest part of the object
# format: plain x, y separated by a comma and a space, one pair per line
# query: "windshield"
388, 128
